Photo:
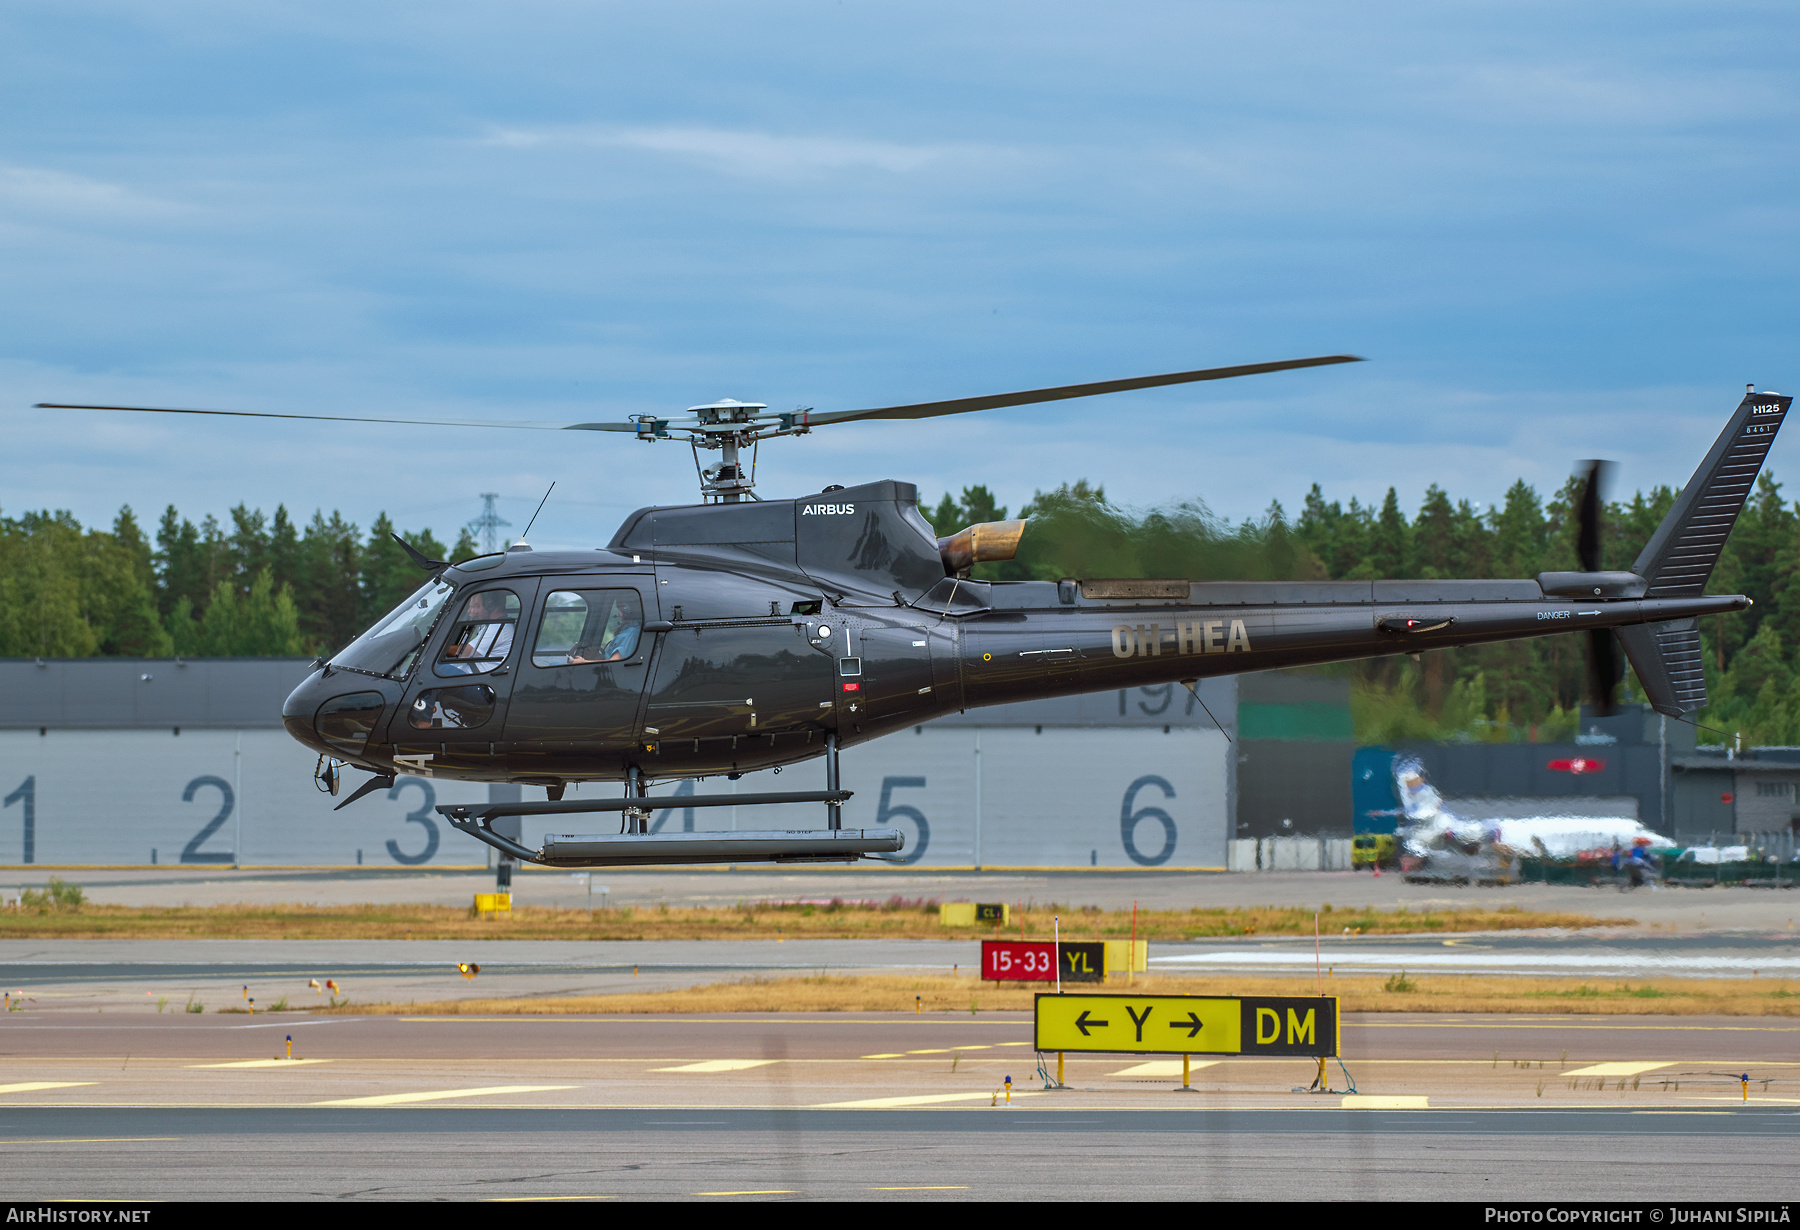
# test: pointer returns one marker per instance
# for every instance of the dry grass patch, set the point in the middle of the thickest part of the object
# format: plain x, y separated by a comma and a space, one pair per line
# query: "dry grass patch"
895, 918
940, 993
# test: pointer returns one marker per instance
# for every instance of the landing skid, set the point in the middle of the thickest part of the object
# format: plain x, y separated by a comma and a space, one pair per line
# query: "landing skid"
647, 849
638, 847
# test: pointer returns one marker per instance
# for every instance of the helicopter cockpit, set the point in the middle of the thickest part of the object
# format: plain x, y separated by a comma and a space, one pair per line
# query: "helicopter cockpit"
391, 647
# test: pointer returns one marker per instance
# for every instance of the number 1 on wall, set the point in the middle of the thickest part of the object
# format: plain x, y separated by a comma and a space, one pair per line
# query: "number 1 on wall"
27, 795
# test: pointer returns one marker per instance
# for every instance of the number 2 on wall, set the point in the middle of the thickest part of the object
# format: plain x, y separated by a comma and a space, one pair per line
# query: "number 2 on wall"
191, 853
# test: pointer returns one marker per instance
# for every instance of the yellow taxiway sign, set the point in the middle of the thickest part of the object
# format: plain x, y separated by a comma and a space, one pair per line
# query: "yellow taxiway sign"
1188, 1024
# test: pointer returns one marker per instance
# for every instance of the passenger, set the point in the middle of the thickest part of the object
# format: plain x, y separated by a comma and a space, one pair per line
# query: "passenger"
617, 642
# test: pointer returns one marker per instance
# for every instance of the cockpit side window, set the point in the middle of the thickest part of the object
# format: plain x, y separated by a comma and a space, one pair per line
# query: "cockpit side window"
582, 626
482, 636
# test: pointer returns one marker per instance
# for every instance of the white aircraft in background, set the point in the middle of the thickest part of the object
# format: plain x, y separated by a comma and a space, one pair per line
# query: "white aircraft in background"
1441, 840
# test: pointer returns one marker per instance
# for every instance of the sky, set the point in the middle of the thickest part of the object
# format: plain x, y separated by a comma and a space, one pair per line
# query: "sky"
1555, 231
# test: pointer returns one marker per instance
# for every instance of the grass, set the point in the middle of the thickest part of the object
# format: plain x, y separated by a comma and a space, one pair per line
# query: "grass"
941, 993
895, 918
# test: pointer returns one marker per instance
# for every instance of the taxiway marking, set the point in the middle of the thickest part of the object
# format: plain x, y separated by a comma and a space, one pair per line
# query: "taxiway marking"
887, 1055
1615, 1069
1368, 1101
1161, 1067
718, 1065
433, 1095
34, 1086
126, 1140
259, 1063
925, 1099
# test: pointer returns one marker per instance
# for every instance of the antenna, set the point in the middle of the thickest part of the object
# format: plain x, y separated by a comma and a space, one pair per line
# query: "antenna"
488, 523
540, 508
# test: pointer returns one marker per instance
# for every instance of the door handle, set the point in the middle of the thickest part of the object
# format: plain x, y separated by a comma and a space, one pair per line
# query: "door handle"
659, 625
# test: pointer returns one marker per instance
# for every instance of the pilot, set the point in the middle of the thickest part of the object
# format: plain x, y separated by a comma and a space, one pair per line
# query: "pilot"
486, 631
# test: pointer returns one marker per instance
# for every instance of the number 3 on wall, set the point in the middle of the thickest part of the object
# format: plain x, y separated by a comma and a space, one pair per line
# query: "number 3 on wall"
421, 816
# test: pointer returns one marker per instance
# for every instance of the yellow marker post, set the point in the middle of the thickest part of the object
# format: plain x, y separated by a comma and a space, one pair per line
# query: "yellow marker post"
1009, 1090
1187, 1075
918, 1005
290, 1046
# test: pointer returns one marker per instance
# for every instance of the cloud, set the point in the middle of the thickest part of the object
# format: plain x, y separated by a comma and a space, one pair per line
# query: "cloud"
43, 191
1565, 93
757, 155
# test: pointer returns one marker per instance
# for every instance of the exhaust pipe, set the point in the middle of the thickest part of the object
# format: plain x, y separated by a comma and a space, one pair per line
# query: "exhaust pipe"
979, 544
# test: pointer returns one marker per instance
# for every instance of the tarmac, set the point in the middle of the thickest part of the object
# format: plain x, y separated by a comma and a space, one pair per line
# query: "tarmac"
109, 1090
1658, 909
876, 1106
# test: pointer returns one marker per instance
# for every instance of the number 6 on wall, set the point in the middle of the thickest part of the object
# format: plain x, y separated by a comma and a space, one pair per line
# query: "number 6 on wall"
1129, 820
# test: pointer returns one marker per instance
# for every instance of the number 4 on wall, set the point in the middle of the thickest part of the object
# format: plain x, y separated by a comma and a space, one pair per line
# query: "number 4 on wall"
27, 794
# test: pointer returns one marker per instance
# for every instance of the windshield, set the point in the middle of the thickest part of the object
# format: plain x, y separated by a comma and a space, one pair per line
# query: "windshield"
392, 646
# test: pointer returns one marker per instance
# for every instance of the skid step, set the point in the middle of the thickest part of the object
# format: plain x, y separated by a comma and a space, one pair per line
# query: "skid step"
797, 845
571, 807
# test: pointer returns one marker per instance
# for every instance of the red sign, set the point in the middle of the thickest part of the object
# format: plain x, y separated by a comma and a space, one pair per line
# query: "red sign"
853, 687
1578, 765
1018, 961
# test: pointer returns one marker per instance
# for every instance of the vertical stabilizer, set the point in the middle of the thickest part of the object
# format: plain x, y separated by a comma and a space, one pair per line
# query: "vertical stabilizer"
1680, 556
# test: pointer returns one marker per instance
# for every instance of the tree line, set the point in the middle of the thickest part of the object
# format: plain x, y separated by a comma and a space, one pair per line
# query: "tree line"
1527, 690
261, 585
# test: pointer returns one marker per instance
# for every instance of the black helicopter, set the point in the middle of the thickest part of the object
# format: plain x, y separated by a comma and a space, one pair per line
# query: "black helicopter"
737, 634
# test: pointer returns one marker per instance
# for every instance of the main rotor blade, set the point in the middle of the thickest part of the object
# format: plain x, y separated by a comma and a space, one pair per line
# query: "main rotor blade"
962, 405
351, 418
1587, 514
1605, 671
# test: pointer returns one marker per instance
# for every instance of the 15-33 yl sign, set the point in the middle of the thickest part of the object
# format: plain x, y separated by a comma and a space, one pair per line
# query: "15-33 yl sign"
1037, 961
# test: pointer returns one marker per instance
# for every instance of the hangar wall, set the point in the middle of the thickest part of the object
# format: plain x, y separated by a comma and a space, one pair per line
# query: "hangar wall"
109, 762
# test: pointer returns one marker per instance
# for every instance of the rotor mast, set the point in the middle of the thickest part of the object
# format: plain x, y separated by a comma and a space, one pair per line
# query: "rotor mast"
727, 425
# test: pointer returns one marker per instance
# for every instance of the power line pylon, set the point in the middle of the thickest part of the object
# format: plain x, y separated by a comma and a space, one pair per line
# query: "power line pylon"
489, 523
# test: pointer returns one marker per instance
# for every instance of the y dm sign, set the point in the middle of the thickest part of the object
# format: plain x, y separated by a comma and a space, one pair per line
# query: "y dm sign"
1188, 1024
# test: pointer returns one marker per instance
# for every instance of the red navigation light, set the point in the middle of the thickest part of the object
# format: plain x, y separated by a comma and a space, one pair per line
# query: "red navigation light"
853, 687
